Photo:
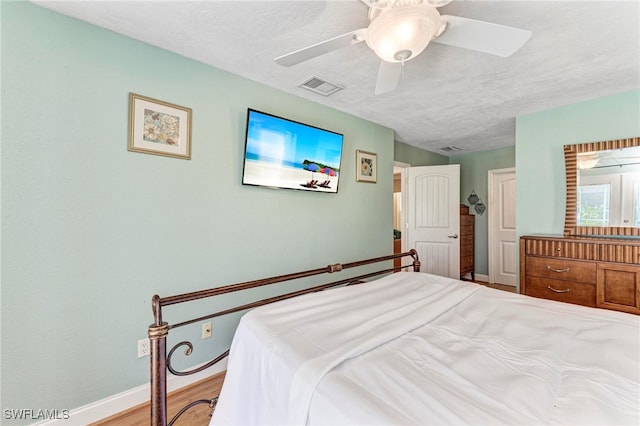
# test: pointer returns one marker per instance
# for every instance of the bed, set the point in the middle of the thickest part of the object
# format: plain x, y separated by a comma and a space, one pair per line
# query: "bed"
415, 348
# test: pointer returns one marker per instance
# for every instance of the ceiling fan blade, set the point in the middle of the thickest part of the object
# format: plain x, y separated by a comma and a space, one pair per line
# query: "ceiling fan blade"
389, 75
486, 37
321, 48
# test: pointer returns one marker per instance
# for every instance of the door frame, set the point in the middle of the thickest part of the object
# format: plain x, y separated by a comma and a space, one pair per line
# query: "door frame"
402, 168
491, 236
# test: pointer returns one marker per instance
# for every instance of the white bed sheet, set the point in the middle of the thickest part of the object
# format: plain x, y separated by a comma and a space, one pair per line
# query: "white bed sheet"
414, 348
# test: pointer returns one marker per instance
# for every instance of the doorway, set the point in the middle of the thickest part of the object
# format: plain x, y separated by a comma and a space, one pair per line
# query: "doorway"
503, 250
399, 207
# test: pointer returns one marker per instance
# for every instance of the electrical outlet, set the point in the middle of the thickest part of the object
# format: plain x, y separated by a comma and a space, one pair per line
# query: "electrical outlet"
144, 347
206, 330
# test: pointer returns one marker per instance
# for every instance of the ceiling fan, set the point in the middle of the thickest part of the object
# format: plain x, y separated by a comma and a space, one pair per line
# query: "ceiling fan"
400, 30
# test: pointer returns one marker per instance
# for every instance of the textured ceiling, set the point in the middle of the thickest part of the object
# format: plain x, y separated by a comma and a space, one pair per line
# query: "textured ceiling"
448, 96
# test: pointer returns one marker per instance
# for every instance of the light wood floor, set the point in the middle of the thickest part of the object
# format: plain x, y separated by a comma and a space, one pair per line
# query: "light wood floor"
508, 288
197, 416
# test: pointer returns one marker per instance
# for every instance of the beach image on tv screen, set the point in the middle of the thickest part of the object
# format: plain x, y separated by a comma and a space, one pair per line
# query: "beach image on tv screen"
281, 153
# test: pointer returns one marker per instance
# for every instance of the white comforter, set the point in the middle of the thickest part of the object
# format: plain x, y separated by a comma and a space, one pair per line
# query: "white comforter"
414, 348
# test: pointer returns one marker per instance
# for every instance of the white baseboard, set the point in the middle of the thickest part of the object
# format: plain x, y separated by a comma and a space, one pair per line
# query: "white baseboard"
128, 399
478, 277
485, 279
482, 277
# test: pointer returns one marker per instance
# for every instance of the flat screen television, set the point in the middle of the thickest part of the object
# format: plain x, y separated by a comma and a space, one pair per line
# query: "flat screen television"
281, 153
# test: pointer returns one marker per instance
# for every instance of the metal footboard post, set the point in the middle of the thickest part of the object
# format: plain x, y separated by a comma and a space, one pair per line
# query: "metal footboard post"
158, 332
416, 261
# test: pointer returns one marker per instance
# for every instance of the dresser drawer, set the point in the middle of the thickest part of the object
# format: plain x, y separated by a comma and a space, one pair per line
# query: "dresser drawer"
466, 262
466, 240
466, 250
466, 230
466, 220
562, 291
561, 269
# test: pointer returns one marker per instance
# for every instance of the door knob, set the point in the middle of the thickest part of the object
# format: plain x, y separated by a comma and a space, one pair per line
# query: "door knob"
454, 236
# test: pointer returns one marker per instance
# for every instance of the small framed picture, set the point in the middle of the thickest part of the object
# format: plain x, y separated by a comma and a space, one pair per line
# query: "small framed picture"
366, 166
157, 127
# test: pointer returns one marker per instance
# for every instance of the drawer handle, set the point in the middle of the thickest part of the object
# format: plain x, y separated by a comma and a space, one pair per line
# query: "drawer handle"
566, 290
557, 270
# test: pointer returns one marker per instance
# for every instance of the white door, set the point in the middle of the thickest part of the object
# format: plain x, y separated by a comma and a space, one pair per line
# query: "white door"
433, 218
503, 250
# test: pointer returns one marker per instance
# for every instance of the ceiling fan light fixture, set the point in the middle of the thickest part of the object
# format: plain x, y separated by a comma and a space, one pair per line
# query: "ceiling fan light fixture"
587, 160
406, 29
439, 3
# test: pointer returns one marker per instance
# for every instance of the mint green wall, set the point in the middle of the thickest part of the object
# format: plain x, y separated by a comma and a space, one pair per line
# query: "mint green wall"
416, 156
91, 231
540, 177
474, 174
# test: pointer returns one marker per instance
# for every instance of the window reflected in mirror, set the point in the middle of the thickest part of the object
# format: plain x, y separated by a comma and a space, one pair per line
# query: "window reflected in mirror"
594, 205
607, 190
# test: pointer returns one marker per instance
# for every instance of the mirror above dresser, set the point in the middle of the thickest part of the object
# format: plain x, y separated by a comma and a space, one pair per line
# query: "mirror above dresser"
603, 189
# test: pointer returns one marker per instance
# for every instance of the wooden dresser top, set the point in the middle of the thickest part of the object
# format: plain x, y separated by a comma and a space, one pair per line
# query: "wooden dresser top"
621, 250
626, 241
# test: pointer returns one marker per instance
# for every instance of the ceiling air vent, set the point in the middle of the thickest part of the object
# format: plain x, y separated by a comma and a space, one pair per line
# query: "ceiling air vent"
451, 148
321, 87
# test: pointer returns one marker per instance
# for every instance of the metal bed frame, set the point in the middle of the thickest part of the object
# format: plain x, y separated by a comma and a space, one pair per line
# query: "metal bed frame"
159, 330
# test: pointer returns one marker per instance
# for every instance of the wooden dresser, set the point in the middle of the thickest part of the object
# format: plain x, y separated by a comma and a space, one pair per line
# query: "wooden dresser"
597, 272
467, 236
